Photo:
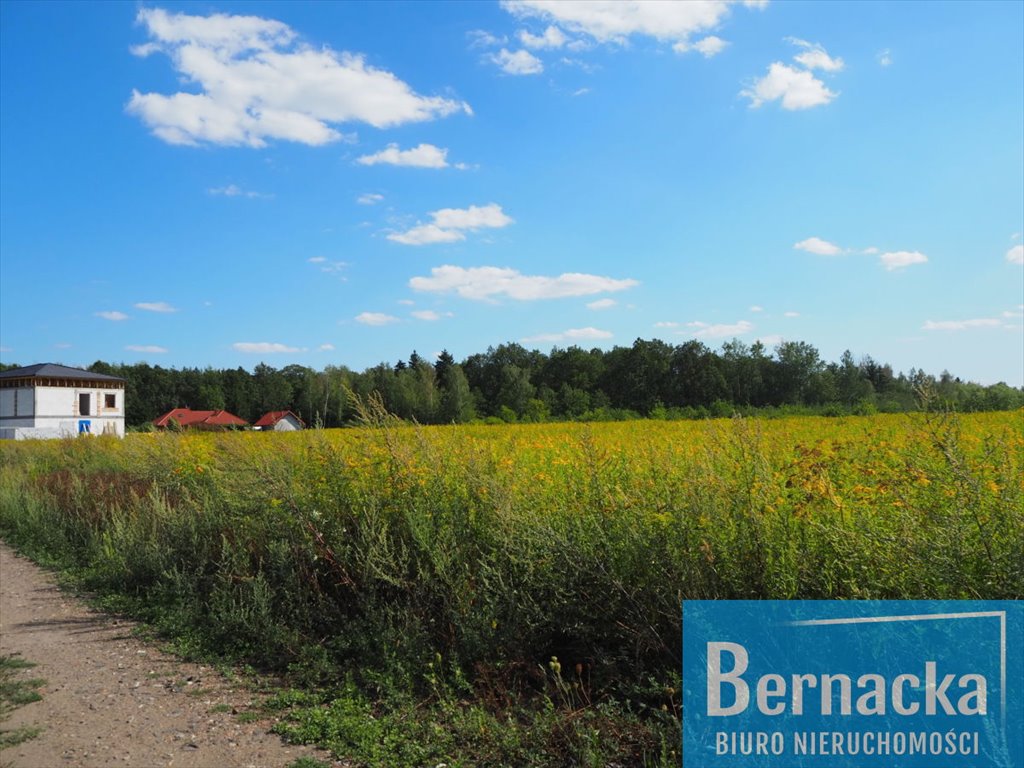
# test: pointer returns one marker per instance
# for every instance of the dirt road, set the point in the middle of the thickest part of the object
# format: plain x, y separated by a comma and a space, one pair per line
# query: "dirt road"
112, 699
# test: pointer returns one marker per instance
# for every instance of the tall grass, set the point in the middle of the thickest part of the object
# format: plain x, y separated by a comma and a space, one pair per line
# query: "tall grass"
523, 568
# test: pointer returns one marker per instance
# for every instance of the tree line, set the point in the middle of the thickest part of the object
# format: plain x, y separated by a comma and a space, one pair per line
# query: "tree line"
509, 383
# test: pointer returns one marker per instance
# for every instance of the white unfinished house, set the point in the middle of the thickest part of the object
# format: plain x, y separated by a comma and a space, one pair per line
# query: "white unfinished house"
49, 400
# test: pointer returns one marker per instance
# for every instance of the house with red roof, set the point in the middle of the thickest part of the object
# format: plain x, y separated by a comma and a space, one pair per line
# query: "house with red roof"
186, 418
279, 421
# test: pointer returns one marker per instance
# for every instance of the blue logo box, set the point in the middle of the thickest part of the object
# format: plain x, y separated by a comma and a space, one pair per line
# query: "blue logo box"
864, 684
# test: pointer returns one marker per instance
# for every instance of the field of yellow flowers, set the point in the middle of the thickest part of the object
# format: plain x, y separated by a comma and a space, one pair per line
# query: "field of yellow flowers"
499, 564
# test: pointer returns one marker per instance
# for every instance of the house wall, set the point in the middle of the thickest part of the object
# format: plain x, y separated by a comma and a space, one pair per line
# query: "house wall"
16, 402
287, 424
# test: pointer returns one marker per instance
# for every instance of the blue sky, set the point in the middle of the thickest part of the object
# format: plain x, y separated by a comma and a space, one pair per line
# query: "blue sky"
221, 184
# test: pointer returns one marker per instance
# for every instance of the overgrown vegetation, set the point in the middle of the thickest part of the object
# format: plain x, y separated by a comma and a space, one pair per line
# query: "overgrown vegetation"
16, 691
482, 596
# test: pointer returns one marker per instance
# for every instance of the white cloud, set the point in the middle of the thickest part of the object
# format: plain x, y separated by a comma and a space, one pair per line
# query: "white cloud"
112, 315
960, 325
666, 324
233, 190
818, 247
427, 234
369, 198
719, 330
602, 304
147, 348
156, 306
771, 339
263, 347
450, 224
757, 308
326, 348
884, 58
870, 251
899, 259
553, 37
797, 88
407, 302
814, 56
707, 46
316, 259
482, 39
484, 283
581, 92
375, 318
430, 315
257, 82
615, 22
573, 334
422, 156
1015, 255
330, 267
791, 314
517, 63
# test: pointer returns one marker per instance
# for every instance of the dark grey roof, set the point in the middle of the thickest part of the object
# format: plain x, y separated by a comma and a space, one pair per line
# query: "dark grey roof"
54, 371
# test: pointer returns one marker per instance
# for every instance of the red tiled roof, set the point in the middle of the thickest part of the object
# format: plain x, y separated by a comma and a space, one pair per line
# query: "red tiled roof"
186, 417
271, 418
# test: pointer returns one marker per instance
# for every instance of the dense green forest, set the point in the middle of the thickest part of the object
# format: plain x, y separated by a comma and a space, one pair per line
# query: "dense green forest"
511, 383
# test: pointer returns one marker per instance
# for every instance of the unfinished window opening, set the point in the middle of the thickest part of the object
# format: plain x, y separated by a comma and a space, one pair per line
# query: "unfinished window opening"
110, 401
83, 405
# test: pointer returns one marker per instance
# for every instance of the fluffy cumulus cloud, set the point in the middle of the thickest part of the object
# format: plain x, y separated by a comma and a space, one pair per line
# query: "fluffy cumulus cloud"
601, 304
552, 37
151, 349
263, 347
1015, 255
615, 21
719, 330
573, 334
489, 283
961, 325
369, 198
520, 62
422, 156
450, 225
254, 81
795, 87
893, 260
112, 315
156, 306
707, 46
375, 318
813, 56
818, 247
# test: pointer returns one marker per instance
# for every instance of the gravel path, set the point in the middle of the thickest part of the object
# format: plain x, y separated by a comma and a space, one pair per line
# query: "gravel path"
112, 699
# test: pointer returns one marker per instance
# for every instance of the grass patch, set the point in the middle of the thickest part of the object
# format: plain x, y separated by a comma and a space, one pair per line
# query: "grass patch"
15, 692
